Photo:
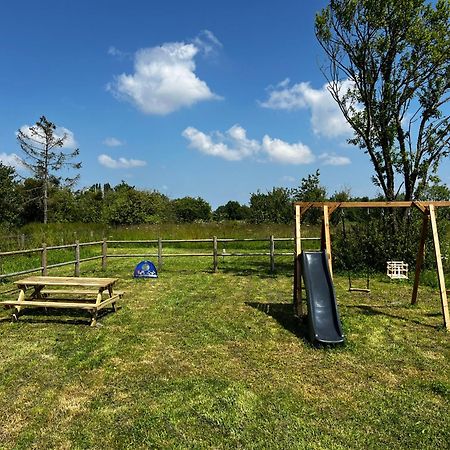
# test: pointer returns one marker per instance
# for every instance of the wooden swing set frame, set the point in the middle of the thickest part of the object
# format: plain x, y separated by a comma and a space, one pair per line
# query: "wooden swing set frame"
428, 210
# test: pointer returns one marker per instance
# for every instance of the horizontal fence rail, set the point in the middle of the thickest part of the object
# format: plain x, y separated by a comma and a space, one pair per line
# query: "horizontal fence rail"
105, 252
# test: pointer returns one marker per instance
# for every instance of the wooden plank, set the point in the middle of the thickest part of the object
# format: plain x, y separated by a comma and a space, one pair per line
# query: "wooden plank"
49, 304
327, 237
215, 255
272, 254
420, 257
376, 204
66, 281
440, 270
44, 260
298, 300
67, 292
75, 292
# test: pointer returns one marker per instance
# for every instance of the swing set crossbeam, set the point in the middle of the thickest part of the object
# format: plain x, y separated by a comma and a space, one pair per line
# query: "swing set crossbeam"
428, 209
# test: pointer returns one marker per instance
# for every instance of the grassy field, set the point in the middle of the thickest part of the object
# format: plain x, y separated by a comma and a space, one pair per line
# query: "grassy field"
202, 360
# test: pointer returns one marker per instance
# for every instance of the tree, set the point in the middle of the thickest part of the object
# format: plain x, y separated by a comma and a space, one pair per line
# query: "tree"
389, 72
188, 209
311, 190
43, 157
232, 210
273, 207
10, 196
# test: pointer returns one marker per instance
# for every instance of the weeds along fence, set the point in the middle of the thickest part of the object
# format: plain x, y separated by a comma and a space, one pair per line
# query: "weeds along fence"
43, 258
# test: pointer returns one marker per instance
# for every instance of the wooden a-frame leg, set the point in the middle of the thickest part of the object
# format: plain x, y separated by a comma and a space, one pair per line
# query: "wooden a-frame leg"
440, 270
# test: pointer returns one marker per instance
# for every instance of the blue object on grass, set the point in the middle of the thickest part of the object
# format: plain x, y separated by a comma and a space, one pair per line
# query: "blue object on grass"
145, 269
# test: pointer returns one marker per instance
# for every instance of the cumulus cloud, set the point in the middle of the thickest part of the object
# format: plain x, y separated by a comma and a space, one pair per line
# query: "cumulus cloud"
120, 163
58, 133
281, 151
334, 160
113, 142
234, 145
11, 159
164, 79
326, 117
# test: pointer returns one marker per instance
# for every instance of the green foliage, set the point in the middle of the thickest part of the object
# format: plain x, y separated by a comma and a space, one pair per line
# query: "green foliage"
311, 190
273, 207
10, 196
188, 209
232, 210
389, 69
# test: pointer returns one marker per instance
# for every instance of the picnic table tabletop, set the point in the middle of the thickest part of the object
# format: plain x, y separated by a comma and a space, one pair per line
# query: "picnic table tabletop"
66, 281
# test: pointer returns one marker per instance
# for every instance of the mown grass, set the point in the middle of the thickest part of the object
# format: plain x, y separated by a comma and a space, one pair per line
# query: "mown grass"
202, 360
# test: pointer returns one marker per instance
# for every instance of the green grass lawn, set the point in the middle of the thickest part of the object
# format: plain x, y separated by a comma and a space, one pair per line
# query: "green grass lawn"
202, 360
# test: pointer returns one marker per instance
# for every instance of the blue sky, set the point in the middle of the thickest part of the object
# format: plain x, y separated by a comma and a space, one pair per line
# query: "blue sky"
198, 98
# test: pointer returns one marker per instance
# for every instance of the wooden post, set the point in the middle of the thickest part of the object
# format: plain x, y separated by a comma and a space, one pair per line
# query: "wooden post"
104, 253
77, 258
440, 270
327, 238
298, 301
160, 247
272, 253
420, 256
22, 241
215, 255
44, 260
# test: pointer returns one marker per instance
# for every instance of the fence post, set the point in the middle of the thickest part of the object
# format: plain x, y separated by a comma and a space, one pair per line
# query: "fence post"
272, 253
160, 262
77, 258
44, 260
104, 253
22, 241
215, 255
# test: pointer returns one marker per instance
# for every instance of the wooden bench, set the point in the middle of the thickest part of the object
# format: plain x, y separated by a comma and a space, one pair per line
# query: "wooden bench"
52, 292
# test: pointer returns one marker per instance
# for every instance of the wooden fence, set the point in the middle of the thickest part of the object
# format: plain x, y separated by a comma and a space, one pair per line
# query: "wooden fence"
158, 243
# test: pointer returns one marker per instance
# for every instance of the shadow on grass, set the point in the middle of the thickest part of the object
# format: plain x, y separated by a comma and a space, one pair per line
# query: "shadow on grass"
57, 316
371, 311
283, 313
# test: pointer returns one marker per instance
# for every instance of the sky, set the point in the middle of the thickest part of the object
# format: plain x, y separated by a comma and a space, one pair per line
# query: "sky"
190, 98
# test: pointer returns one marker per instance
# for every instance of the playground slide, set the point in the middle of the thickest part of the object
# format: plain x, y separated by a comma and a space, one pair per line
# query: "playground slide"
323, 316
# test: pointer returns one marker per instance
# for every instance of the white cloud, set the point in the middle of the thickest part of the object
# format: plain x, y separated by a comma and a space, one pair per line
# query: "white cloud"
283, 152
113, 142
164, 79
326, 117
58, 133
235, 146
120, 163
11, 159
334, 160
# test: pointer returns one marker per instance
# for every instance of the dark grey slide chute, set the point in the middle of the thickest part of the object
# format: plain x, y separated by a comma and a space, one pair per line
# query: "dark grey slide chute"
323, 317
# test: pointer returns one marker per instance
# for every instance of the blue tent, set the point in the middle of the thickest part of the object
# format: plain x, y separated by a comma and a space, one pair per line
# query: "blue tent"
145, 269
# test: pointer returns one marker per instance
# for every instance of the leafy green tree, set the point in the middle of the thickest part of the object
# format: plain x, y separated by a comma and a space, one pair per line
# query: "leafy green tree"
188, 209
124, 206
62, 205
389, 72
273, 207
10, 196
311, 190
232, 210
44, 157
89, 205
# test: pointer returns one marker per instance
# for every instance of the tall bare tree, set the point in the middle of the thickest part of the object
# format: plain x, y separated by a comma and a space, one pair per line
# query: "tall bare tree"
388, 67
44, 157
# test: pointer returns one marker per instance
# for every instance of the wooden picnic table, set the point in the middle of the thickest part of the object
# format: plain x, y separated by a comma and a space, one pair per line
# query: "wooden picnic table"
65, 292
